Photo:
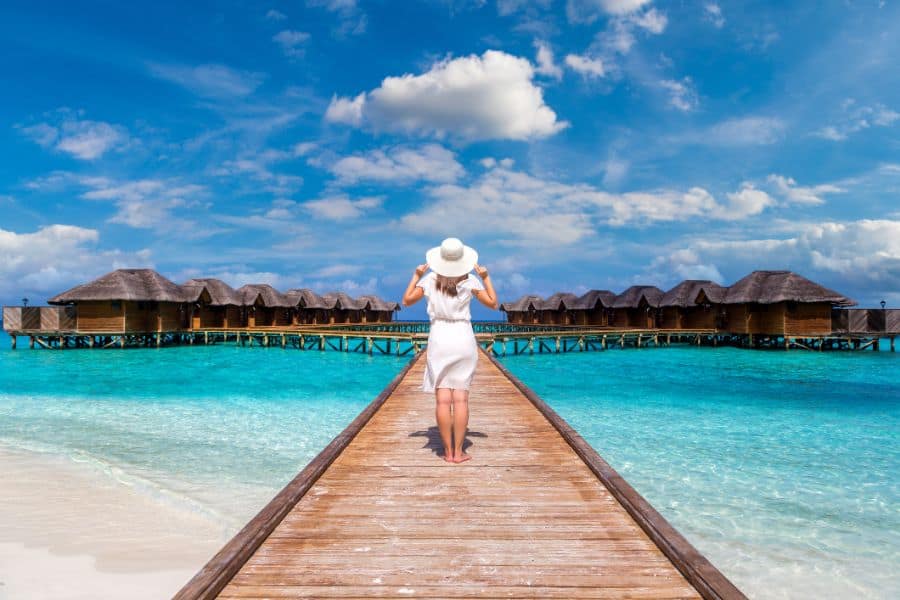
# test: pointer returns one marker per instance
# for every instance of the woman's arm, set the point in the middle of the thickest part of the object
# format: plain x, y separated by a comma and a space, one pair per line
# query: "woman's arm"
413, 294
487, 296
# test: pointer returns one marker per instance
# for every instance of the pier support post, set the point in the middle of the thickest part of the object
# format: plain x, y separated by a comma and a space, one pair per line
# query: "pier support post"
876, 345
892, 344
121, 341
603, 342
12, 341
30, 342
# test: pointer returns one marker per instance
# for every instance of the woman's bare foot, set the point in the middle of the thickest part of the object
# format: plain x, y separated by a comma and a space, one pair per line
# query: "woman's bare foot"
449, 457
461, 457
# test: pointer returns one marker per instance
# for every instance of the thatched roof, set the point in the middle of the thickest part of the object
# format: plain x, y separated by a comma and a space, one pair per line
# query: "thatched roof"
769, 287
305, 297
631, 298
341, 300
375, 303
522, 304
685, 293
220, 293
137, 285
590, 299
560, 300
270, 296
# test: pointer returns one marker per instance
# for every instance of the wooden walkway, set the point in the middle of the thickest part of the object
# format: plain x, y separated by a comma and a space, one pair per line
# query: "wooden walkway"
536, 513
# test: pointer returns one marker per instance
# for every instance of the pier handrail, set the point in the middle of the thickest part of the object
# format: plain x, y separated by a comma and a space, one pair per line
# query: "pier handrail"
706, 579
216, 574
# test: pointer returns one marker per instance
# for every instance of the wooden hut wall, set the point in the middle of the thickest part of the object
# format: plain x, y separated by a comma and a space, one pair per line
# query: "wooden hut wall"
620, 318
140, 316
102, 317
892, 320
840, 319
736, 317
170, 316
206, 316
671, 317
699, 317
865, 320
768, 318
58, 318
807, 318
282, 317
20, 318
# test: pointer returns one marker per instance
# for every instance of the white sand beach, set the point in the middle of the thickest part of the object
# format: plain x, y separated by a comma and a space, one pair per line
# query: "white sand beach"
68, 531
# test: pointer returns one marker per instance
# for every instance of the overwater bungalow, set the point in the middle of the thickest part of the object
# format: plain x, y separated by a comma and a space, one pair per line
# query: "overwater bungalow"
376, 310
217, 305
266, 306
559, 309
525, 310
309, 308
688, 305
636, 307
594, 307
128, 301
780, 303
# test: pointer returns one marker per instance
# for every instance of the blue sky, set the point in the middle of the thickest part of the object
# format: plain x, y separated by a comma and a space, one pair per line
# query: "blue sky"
575, 144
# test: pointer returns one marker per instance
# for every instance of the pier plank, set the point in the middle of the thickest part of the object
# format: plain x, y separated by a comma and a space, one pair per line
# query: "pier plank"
528, 516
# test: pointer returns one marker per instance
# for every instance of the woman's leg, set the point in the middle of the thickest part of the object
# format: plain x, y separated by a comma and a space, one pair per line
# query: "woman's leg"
443, 398
460, 423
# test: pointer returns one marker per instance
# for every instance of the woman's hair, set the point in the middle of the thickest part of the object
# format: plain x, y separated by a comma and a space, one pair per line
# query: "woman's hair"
447, 285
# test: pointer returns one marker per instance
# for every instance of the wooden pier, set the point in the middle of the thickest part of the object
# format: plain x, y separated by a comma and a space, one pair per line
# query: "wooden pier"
536, 513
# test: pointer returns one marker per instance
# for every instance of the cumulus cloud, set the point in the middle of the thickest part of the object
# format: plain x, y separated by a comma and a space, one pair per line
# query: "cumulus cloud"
681, 93
863, 253
470, 98
291, 42
45, 262
712, 12
400, 164
341, 208
521, 208
275, 15
796, 194
740, 131
588, 11
546, 65
259, 167
209, 80
80, 138
585, 66
856, 118
144, 203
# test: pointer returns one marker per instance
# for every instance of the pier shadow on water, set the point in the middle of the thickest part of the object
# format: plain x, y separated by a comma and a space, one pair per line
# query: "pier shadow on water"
433, 439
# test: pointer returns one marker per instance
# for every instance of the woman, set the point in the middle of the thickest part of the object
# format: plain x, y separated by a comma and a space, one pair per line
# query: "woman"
452, 351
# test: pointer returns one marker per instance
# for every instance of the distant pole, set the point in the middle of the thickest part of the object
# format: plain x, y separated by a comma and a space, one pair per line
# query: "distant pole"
884, 315
25, 302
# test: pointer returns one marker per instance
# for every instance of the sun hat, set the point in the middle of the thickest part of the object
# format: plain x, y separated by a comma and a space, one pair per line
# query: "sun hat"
452, 258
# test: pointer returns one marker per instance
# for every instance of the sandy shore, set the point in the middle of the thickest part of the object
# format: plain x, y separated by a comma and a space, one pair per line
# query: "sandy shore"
70, 531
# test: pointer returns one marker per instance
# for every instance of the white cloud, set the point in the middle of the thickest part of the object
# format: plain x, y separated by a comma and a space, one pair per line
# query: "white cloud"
259, 167
341, 208
472, 98
796, 194
303, 148
346, 110
586, 66
681, 93
508, 7
712, 12
519, 208
80, 138
651, 20
144, 203
352, 20
743, 131
858, 118
400, 164
588, 11
45, 262
210, 80
546, 65
275, 15
291, 42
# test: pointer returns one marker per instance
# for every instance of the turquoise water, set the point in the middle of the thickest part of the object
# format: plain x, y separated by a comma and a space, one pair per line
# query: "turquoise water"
783, 468
219, 429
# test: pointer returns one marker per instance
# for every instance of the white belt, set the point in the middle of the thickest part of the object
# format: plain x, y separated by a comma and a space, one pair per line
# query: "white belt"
449, 320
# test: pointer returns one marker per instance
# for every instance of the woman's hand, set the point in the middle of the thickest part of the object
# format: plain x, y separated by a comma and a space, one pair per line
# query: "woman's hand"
420, 270
481, 271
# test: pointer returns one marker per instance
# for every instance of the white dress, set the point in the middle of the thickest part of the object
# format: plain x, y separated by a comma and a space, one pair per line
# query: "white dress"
452, 351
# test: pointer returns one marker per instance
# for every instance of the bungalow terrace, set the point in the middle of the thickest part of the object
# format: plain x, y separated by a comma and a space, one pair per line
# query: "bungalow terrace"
636, 307
688, 305
218, 305
525, 310
780, 303
309, 307
594, 307
266, 306
128, 301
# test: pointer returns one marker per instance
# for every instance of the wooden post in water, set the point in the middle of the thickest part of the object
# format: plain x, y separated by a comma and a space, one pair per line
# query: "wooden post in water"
892, 343
12, 341
30, 342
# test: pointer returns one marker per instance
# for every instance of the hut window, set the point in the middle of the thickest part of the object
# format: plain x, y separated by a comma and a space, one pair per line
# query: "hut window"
116, 304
